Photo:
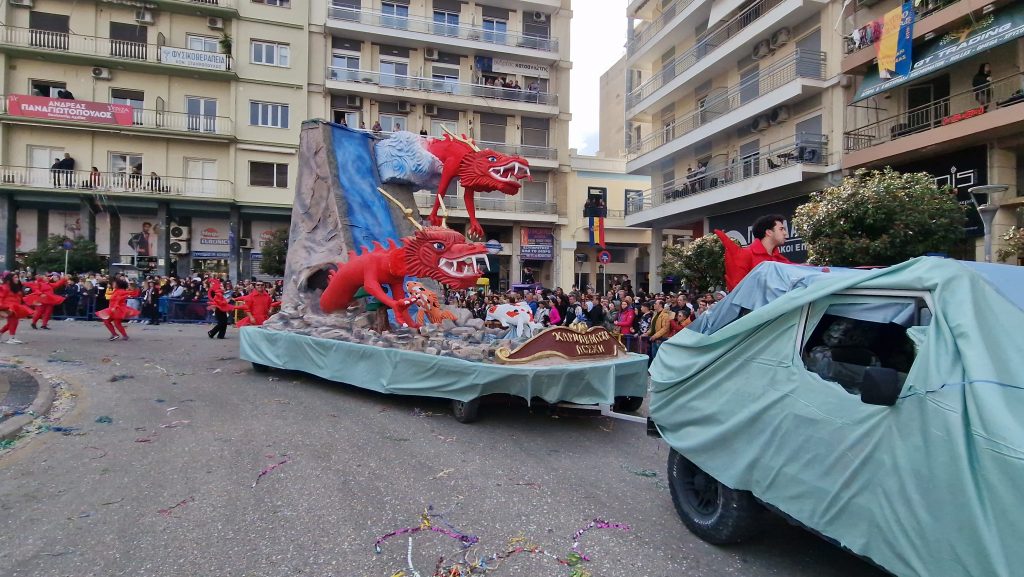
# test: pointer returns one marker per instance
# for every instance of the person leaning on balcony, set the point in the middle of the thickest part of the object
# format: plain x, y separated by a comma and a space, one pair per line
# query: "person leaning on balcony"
55, 172
67, 167
154, 182
94, 178
982, 84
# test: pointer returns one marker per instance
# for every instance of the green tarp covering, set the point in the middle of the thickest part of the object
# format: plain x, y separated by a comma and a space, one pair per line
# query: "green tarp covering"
929, 487
402, 372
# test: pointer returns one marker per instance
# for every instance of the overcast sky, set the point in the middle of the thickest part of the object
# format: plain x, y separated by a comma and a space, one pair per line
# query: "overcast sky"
598, 39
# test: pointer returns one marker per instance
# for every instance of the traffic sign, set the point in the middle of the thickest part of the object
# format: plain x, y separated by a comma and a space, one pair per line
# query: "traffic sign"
604, 257
68, 245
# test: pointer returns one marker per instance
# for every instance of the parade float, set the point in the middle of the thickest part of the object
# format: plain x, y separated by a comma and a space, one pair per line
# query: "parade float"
363, 277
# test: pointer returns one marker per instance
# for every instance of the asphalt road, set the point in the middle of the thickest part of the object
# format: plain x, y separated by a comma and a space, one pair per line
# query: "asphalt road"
136, 498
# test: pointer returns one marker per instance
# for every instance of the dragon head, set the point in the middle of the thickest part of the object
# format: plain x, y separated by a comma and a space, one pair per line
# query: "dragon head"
445, 256
487, 170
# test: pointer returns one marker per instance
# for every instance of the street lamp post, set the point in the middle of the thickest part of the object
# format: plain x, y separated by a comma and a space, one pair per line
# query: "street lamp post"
984, 201
600, 271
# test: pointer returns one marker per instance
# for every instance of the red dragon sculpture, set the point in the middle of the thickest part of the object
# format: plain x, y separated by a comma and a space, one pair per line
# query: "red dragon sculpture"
438, 253
477, 171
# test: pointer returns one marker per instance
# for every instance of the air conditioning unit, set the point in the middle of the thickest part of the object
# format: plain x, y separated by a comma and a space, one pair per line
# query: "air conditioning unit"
762, 49
22, 3
214, 23
404, 106
180, 232
540, 17
760, 124
430, 109
780, 114
780, 38
244, 242
430, 53
100, 73
178, 246
144, 17
354, 101
845, 80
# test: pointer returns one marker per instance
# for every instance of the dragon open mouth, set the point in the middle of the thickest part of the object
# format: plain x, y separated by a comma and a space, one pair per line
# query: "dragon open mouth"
463, 267
511, 172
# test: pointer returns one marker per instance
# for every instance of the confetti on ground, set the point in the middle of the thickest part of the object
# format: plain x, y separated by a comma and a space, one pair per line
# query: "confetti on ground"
280, 401
100, 456
215, 371
444, 473
113, 502
104, 419
417, 412
534, 486
174, 424
172, 409
170, 510
394, 438
115, 378
143, 440
159, 401
266, 471
444, 439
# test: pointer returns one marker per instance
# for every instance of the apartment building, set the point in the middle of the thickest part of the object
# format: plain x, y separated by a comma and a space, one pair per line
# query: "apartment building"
957, 115
734, 109
494, 70
181, 119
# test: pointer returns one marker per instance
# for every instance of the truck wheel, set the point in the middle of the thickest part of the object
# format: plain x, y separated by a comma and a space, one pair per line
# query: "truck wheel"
260, 368
466, 411
627, 404
709, 509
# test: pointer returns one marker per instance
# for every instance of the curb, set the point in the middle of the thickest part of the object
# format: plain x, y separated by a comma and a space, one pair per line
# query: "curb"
12, 427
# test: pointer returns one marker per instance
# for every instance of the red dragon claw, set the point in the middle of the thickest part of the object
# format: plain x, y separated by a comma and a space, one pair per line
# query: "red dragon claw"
435, 220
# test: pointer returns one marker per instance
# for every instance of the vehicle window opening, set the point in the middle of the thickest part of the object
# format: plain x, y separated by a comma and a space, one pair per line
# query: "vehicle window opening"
841, 348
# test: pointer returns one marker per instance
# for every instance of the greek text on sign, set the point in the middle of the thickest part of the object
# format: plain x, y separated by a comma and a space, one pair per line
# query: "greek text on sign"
577, 343
504, 66
193, 58
66, 109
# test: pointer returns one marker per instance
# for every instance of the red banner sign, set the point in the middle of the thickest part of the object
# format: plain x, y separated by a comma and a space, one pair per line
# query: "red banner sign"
66, 109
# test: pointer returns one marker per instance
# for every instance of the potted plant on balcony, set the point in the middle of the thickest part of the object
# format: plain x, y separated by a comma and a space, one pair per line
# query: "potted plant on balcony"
225, 43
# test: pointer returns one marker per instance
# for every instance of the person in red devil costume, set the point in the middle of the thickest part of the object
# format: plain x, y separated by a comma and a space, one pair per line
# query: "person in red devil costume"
256, 305
769, 235
12, 294
44, 297
118, 310
220, 307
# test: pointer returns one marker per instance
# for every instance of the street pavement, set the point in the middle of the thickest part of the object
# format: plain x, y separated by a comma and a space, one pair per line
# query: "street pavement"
166, 487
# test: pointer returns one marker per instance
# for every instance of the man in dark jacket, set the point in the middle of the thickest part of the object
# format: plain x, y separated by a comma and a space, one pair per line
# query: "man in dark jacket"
67, 168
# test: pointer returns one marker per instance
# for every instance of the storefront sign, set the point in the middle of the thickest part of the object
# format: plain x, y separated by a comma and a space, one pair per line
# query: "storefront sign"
740, 226
537, 244
963, 115
209, 238
193, 58
981, 35
66, 109
566, 343
263, 232
961, 171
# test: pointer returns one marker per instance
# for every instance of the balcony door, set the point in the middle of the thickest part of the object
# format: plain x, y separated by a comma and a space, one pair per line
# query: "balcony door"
128, 40
126, 170
200, 177
48, 30
202, 114
394, 73
927, 103
394, 15
133, 98
40, 159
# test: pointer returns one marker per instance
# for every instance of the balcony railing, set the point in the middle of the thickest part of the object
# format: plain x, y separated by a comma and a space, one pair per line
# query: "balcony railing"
801, 64
114, 182
942, 112
437, 86
511, 204
866, 37
644, 35
183, 122
706, 44
428, 26
523, 150
722, 171
111, 48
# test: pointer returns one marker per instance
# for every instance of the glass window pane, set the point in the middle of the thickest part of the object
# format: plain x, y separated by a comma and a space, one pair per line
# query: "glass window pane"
254, 113
261, 174
284, 117
281, 175
284, 53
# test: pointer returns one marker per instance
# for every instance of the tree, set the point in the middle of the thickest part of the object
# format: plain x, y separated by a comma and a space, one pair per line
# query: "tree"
701, 263
50, 256
879, 218
274, 253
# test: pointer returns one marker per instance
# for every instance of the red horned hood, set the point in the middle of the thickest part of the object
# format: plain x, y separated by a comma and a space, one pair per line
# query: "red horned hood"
445, 256
488, 170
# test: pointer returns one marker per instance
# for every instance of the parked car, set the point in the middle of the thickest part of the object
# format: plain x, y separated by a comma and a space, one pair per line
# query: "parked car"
879, 408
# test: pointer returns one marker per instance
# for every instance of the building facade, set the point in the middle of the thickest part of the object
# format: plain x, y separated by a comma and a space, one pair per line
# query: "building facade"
496, 71
167, 133
734, 109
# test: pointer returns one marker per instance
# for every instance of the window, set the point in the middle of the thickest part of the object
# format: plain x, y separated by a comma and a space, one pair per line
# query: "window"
126, 170
202, 113
750, 157
394, 73
437, 127
493, 128
494, 30
133, 98
446, 78
200, 176
270, 53
47, 88
48, 30
349, 118
392, 122
344, 66
750, 86
278, 3
268, 114
271, 174
201, 43
535, 131
394, 15
128, 40
446, 23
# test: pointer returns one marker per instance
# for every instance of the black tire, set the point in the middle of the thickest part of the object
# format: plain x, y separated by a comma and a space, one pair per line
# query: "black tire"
709, 509
627, 404
466, 411
260, 368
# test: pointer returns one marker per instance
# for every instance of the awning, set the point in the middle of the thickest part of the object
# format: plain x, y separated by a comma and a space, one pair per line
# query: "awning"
999, 28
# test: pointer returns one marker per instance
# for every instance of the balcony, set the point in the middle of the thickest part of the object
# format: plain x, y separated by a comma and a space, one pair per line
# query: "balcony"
539, 156
782, 82
221, 8
708, 57
161, 123
418, 31
647, 33
115, 54
955, 121
119, 183
722, 178
419, 88
512, 204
